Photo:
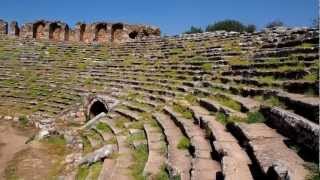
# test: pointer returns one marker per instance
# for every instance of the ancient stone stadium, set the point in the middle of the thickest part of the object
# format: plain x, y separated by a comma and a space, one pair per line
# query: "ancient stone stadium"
118, 101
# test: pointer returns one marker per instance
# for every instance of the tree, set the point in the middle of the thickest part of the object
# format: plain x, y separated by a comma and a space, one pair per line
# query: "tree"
275, 23
226, 25
251, 28
194, 30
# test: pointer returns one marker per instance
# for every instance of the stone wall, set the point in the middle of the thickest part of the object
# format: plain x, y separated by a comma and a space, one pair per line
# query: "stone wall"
3, 27
98, 32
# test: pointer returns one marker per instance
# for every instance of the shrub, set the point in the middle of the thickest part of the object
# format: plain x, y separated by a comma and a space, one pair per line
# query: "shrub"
194, 30
23, 120
255, 117
251, 28
184, 143
276, 23
230, 25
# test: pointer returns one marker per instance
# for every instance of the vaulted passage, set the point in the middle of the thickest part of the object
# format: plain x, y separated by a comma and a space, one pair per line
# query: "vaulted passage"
55, 31
101, 33
97, 108
117, 32
82, 30
38, 30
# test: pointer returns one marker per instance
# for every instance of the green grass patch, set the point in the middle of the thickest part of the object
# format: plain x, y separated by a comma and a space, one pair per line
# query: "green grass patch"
103, 127
82, 172
311, 77
222, 118
255, 117
236, 60
199, 58
183, 111
269, 80
95, 170
207, 67
136, 137
86, 145
306, 45
162, 174
191, 99
23, 120
184, 143
227, 102
140, 156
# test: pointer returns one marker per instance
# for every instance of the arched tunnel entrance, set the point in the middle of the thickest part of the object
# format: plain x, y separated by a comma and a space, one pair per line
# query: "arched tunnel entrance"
96, 108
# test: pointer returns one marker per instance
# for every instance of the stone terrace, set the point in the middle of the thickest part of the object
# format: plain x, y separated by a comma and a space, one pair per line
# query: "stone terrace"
192, 103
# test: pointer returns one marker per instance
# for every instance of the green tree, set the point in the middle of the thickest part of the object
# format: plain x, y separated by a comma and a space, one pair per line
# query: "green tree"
276, 23
227, 25
251, 28
194, 30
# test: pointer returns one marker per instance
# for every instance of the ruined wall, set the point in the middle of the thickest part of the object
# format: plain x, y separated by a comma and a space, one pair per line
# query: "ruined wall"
98, 32
3, 27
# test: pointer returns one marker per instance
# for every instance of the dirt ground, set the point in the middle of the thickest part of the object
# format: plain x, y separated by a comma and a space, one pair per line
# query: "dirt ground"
33, 161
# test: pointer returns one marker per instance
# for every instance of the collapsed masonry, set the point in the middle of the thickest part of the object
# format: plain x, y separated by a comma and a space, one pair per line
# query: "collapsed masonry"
99, 32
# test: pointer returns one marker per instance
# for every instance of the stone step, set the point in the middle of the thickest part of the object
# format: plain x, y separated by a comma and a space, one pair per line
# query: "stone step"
156, 148
203, 166
235, 161
268, 149
179, 160
297, 128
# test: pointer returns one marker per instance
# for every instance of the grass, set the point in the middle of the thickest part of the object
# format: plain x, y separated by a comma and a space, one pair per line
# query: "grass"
23, 120
311, 77
199, 58
191, 99
82, 172
184, 143
222, 118
232, 45
103, 127
183, 111
207, 67
162, 174
273, 101
255, 117
86, 145
306, 45
269, 80
136, 137
227, 102
140, 156
95, 170
236, 60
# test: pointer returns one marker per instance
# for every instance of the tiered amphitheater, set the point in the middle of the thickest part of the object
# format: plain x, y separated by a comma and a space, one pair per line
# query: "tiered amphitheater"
220, 105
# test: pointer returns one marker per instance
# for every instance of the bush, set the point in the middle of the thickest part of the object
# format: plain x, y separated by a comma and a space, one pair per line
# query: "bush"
273, 24
23, 120
251, 28
194, 30
184, 143
230, 25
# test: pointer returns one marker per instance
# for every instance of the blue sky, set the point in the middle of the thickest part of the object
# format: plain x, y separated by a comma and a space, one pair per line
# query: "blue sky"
172, 16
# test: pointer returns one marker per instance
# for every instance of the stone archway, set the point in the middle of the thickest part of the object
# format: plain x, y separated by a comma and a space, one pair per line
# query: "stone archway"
82, 31
96, 108
55, 31
39, 30
117, 33
101, 34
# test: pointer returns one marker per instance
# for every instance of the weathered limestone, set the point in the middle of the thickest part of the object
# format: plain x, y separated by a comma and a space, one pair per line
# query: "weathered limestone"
274, 158
97, 155
294, 126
